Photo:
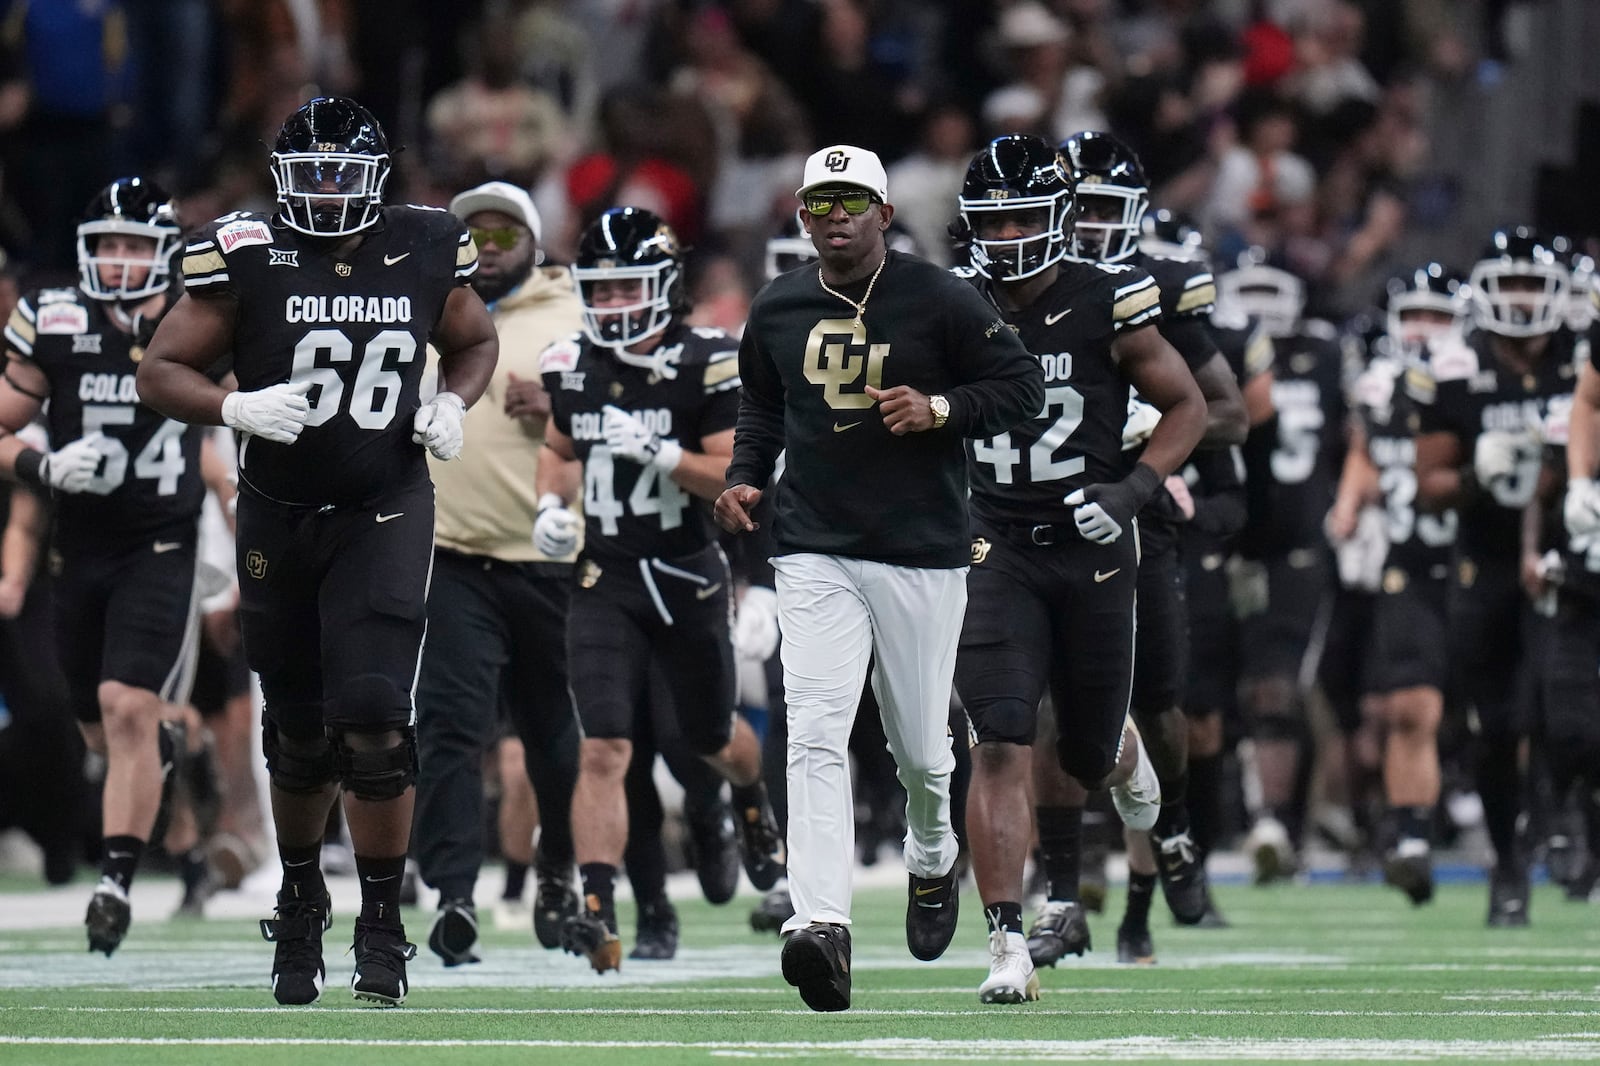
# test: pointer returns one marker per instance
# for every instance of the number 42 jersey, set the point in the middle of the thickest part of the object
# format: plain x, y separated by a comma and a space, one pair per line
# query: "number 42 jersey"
148, 480
354, 326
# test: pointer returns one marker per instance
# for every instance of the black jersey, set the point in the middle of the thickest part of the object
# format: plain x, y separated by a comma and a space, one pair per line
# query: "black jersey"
850, 487
689, 393
149, 479
355, 328
1293, 460
1467, 391
1420, 543
1243, 343
1022, 475
1188, 296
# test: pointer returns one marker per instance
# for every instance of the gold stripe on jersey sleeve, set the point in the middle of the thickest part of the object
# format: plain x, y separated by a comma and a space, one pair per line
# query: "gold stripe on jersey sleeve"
1420, 384
23, 329
203, 263
720, 371
466, 253
1195, 299
1135, 302
1258, 354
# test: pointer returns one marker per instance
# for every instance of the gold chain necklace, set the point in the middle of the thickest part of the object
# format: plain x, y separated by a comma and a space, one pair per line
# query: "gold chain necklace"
861, 308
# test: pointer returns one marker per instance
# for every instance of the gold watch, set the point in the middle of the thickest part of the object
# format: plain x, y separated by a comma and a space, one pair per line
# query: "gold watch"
941, 410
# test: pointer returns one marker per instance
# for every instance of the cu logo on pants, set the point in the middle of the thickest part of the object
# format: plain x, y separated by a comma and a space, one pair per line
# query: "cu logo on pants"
256, 564
836, 161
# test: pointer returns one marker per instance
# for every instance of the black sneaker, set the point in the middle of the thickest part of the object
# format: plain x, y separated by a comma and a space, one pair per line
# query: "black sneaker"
296, 932
1508, 898
657, 936
455, 932
589, 935
761, 846
1061, 929
1134, 946
816, 960
1409, 867
107, 918
774, 909
381, 957
1183, 876
931, 905
715, 844
555, 901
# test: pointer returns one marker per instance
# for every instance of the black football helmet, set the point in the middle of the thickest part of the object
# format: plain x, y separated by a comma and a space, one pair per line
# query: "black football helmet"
134, 207
1537, 301
1113, 195
629, 243
330, 164
1254, 288
1170, 235
1015, 174
1583, 303
1426, 288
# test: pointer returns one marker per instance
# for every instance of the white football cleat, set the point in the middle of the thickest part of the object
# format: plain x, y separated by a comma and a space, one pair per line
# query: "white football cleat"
1011, 978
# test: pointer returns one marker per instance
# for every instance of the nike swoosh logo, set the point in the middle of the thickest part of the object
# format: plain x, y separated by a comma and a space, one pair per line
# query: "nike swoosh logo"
379, 880
1051, 320
928, 891
837, 428
707, 593
390, 517
390, 261
119, 854
1099, 577
161, 547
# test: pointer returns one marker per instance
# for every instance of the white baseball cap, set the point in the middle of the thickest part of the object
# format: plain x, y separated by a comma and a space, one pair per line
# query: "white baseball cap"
845, 164
498, 196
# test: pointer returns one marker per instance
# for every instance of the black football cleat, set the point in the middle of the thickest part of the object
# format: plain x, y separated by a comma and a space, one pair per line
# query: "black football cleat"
554, 902
296, 935
931, 912
107, 919
715, 844
1508, 898
816, 960
1061, 929
1183, 876
1409, 867
381, 956
657, 936
455, 932
1134, 946
775, 908
761, 846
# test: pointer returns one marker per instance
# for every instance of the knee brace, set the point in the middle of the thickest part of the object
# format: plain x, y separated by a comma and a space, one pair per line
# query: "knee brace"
379, 775
294, 764
369, 703
1088, 763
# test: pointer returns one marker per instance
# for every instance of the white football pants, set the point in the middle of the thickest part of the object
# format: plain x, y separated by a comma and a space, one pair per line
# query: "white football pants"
836, 613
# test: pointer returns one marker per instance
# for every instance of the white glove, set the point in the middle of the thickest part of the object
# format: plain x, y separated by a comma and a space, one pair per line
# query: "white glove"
438, 425
72, 468
1582, 508
1496, 454
627, 436
277, 413
755, 632
1093, 521
1142, 419
555, 531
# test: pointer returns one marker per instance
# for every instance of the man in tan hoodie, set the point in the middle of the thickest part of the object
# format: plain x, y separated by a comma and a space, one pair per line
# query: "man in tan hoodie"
497, 608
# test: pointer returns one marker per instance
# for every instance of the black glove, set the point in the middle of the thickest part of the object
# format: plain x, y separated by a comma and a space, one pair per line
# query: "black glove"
1105, 509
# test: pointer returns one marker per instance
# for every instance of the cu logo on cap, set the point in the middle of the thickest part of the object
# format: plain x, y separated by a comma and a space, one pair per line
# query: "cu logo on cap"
836, 161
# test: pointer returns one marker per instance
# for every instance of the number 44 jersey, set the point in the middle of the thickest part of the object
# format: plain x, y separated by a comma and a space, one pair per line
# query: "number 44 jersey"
149, 477
353, 326
690, 391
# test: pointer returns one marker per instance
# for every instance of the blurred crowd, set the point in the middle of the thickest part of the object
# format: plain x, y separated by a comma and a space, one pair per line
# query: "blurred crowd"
1301, 127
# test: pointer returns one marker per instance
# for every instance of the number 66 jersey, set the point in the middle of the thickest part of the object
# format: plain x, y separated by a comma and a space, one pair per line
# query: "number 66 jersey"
350, 319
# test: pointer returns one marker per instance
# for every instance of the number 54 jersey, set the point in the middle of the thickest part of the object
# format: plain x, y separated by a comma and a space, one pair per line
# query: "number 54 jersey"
354, 326
688, 393
148, 480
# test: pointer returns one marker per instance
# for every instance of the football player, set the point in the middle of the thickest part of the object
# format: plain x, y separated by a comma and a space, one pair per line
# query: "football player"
1405, 670
128, 492
1479, 450
1055, 549
1292, 462
327, 306
643, 408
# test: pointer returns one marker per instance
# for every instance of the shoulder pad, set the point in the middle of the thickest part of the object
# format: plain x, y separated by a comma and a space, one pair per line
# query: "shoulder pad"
560, 356
1451, 360
57, 296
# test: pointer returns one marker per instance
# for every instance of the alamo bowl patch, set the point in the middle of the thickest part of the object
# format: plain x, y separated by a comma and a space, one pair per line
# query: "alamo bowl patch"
62, 318
239, 234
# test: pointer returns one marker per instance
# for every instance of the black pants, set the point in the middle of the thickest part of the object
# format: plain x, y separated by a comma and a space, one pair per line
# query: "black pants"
496, 645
